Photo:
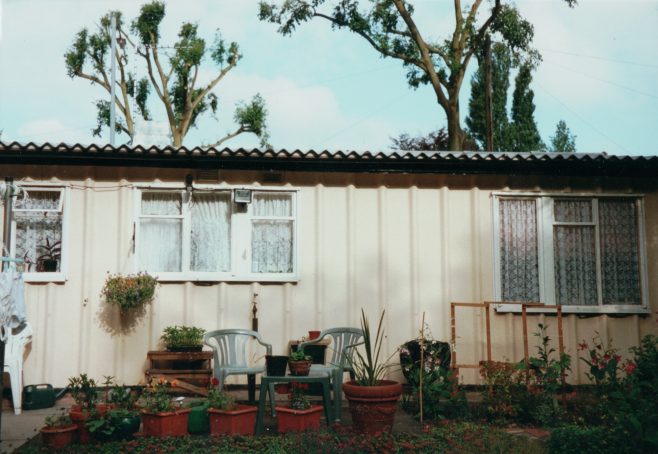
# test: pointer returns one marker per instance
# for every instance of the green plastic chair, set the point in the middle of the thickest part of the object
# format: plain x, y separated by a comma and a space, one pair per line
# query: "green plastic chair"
230, 354
338, 362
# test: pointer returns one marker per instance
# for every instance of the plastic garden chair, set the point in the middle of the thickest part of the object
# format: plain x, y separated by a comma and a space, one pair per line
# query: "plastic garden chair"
14, 349
338, 363
230, 355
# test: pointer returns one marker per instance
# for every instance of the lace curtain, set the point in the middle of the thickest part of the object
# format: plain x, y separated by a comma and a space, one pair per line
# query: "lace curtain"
271, 240
519, 260
160, 238
33, 228
620, 269
575, 254
211, 232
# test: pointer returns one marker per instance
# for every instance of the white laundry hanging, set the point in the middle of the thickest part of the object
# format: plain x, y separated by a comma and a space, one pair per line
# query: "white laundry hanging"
12, 300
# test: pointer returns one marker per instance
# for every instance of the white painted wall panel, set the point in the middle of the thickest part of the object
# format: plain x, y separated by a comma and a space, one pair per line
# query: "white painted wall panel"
406, 244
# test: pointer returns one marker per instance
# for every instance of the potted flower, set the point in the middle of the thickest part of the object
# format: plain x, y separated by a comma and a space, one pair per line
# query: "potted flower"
299, 415
51, 254
84, 393
129, 292
183, 338
58, 432
299, 362
160, 416
228, 417
372, 400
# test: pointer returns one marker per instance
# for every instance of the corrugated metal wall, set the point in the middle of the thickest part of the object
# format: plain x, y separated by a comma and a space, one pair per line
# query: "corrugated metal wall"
406, 244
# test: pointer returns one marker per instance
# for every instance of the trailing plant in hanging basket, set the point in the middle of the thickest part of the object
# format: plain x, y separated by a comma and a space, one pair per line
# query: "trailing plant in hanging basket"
129, 292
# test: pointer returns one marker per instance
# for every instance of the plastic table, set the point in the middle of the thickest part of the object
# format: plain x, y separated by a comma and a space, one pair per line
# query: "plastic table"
266, 381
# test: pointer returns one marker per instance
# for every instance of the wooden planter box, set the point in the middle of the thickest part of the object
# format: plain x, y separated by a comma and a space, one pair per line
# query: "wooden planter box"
240, 421
170, 424
291, 420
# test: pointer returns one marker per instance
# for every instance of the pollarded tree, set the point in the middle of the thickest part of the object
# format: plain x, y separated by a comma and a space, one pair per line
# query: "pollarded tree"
176, 85
563, 140
390, 28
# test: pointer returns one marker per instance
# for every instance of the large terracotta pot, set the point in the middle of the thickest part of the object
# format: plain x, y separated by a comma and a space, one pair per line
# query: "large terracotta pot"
240, 421
168, 424
291, 420
373, 407
59, 437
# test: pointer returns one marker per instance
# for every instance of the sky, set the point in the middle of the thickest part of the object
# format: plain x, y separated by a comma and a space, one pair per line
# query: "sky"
328, 89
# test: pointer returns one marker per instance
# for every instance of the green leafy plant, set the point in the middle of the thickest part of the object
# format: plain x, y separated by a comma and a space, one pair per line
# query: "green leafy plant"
109, 424
156, 398
500, 378
182, 336
604, 362
122, 397
129, 292
84, 392
58, 421
299, 355
50, 251
220, 399
368, 370
544, 371
297, 396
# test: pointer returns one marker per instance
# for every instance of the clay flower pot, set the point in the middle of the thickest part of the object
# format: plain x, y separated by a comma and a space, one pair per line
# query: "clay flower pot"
168, 424
59, 437
79, 416
291, 420
313, 335
299, 368
240, 421
373, 407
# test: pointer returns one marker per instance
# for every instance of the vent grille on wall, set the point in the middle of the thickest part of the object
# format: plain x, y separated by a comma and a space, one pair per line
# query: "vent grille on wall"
207, 176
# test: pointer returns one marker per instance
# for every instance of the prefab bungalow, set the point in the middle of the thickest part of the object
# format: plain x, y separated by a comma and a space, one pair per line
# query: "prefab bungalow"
314, 237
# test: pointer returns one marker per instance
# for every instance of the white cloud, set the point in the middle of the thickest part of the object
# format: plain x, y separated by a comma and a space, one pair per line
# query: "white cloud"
49, 130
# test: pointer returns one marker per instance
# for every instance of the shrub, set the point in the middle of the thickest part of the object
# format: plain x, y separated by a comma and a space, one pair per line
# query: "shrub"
182, 336
581, 440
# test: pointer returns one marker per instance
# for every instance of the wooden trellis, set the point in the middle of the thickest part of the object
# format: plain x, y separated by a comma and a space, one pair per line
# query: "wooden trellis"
487, 306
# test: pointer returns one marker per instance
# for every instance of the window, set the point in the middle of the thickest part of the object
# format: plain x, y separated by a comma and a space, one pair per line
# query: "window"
583, 253
205, 235
38, 233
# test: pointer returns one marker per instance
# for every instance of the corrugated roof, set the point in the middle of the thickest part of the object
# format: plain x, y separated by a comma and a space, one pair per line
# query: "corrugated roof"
325, 160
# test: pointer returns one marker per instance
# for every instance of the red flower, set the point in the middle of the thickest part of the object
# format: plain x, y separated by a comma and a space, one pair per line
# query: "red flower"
214, 381
583, 346
629, 367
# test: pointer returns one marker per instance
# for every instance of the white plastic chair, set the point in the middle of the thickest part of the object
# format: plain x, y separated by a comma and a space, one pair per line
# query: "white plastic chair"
230, 354
337, 364
14, 349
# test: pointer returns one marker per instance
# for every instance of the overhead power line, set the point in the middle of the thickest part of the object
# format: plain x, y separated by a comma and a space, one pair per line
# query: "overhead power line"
594, 57
583, 119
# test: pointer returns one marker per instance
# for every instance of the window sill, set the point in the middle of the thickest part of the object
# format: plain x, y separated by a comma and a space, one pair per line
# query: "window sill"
215, 279
585, 310
59, 278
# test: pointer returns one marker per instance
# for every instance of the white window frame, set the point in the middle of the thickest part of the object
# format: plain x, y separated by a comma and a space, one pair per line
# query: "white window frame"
240, 237
64, 208
545, 223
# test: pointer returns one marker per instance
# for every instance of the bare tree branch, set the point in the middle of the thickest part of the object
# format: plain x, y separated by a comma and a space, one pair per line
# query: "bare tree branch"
237, 132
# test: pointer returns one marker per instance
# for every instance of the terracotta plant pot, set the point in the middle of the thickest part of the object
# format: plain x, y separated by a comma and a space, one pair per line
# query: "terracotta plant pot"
59, 437
313, 335
373, 407
79, 417
169, 424
240, 421
299, 368
291, 420
275, 365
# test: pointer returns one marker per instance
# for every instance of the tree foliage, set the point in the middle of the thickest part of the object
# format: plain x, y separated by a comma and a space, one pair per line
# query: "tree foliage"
563, 140
434, 141
176, 85
515, 132
389, 26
